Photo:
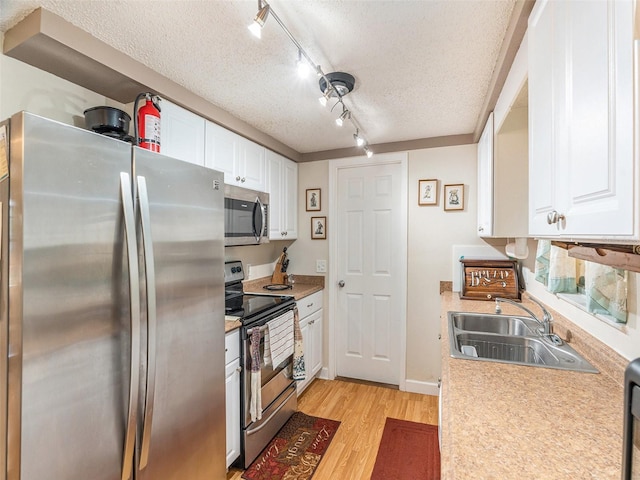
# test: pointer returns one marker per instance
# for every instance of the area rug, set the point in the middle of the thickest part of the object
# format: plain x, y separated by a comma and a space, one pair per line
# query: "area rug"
408, 450
295, 451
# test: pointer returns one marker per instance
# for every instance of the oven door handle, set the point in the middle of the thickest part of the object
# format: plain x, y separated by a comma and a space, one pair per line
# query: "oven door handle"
264, 423
262, 329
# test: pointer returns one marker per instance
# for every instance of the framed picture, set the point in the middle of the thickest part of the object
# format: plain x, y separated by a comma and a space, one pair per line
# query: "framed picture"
313, 199
318, 228
428, 192
454, 197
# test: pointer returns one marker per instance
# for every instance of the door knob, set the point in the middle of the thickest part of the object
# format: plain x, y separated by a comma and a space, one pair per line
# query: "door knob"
341, 283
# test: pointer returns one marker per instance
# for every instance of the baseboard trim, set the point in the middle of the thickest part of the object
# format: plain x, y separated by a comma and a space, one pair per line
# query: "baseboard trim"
426, 388
324, 374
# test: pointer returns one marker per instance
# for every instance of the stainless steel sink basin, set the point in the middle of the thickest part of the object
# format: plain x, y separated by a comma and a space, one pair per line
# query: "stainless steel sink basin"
509, 339
488, 323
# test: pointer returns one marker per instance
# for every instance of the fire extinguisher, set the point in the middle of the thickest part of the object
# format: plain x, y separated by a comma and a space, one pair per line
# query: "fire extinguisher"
147, 122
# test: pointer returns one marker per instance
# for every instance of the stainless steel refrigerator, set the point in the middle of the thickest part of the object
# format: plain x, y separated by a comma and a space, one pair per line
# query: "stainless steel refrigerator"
111, 309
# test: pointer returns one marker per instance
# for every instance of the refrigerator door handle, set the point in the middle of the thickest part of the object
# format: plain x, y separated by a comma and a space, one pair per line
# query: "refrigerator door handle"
134, 306
147, 246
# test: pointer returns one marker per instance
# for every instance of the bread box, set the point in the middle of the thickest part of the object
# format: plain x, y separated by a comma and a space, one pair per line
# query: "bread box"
487, 279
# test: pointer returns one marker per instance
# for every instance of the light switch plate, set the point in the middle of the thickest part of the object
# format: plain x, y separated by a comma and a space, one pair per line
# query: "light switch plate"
321, 266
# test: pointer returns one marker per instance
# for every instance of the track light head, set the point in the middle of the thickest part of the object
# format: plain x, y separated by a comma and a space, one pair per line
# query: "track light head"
345, 115
358, 139
261, 17
368, 152
303, 66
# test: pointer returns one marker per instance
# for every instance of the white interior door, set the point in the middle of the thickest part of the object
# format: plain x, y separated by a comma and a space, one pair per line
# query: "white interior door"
371, 270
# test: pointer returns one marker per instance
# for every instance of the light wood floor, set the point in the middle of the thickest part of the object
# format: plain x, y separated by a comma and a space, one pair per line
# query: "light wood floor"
362, 409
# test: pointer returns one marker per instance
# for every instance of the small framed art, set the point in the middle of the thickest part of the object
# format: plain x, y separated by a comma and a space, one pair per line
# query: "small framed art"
454, 197
428, 192
313, 200
318, 228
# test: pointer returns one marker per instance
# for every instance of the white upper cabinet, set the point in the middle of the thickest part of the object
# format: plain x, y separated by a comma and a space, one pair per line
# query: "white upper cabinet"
242, 161
181, 133
282, 186
581, 159
485, 180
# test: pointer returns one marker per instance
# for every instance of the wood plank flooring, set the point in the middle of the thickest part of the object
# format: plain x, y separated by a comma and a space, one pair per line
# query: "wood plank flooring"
362, 409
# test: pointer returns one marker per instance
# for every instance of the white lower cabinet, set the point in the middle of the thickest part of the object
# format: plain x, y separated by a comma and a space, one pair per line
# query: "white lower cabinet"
311, 313
232, 389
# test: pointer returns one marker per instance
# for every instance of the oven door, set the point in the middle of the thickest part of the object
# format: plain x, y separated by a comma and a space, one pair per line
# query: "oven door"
274, 379
631, 438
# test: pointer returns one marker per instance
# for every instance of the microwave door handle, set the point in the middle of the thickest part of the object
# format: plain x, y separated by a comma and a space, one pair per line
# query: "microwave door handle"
259, 231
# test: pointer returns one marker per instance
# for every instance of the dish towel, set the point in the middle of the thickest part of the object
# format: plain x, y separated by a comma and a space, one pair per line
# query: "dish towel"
299, 370
542, 261
280, 331
562, 271
606, 290
255, 403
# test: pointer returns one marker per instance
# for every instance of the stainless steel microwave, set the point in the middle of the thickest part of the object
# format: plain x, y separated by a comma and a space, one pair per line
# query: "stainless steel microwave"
246, 216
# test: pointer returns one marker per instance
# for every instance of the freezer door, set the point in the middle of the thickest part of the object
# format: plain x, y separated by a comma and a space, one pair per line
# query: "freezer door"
182, 434
69, 304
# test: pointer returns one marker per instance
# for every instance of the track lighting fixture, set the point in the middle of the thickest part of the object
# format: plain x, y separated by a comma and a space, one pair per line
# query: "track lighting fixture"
303, 66
261, 17
332, 85
346, 114
368, 152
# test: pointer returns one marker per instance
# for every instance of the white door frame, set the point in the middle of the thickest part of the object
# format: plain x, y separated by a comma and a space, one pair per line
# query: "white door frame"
334, 166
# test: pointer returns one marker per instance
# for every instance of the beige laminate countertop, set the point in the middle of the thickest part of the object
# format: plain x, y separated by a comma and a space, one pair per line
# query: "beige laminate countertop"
304, 286
502, 421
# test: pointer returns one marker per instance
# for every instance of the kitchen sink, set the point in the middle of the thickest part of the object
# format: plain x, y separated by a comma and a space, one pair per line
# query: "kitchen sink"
488, 323
510, 339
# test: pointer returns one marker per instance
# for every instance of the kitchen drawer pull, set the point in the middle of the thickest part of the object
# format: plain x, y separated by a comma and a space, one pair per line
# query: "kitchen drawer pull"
310, 305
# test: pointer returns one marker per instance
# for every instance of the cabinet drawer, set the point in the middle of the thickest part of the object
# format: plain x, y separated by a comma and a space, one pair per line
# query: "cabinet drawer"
309, 304
231, 346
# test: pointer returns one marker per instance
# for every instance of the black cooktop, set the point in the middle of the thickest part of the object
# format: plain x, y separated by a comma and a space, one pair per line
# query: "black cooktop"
251, 307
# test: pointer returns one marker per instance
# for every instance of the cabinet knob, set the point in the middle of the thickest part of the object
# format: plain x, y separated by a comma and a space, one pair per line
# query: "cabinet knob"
243, 179
554, 217
239, 369
238, 178
481, 229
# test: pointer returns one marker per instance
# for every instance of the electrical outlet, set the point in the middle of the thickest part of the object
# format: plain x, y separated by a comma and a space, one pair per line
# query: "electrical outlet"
321, 266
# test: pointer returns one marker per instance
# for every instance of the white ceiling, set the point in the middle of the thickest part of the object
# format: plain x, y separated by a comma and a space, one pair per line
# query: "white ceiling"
422, 67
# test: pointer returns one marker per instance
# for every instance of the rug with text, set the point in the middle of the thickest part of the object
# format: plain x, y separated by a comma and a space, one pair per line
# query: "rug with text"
296, 450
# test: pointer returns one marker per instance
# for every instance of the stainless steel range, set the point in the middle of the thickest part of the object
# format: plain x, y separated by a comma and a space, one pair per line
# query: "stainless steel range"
277, 387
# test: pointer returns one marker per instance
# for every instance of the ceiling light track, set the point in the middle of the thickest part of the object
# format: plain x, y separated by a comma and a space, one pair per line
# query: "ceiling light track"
332, 85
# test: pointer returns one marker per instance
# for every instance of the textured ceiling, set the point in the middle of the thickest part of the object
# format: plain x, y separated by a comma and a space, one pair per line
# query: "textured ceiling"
422, 68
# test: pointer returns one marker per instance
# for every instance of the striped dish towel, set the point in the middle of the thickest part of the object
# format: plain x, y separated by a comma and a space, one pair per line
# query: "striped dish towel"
280, 331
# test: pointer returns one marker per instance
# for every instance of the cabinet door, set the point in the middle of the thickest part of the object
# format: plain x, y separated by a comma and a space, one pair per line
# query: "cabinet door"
600, 118
221, 151
181, 134
290, 199
276, 193
252, 166
307, 345
485, 180
545, 82
232, 386
316, 339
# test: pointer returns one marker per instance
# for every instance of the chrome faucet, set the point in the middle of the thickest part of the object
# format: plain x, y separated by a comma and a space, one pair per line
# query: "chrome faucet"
547, 319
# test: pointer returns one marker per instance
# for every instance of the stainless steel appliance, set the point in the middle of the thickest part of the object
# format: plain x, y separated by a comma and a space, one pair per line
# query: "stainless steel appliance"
278, 389
112, 293
631, 430
246, 216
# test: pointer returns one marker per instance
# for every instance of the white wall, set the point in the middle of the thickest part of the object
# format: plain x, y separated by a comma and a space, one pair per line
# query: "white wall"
23, 87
